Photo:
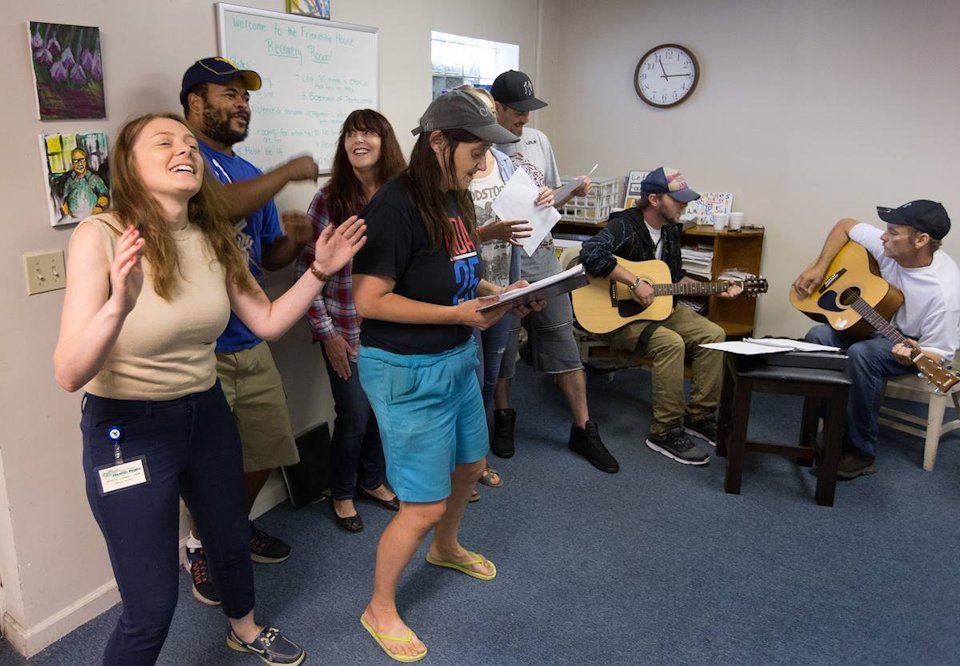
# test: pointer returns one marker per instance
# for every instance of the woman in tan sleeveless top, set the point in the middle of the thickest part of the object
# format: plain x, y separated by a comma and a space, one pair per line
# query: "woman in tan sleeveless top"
151, 287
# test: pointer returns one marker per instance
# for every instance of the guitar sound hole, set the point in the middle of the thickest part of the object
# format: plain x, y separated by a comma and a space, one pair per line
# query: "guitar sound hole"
849, 295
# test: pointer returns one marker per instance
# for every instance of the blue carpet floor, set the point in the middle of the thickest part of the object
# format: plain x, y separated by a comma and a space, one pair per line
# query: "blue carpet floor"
654, 565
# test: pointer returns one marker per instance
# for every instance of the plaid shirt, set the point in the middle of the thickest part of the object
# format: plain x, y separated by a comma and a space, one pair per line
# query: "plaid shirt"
332, 312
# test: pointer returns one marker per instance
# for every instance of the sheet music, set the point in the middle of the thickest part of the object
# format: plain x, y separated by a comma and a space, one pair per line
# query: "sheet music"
755, 347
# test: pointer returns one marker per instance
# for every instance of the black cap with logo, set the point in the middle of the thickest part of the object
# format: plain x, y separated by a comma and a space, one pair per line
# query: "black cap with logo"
924, 215
515, 90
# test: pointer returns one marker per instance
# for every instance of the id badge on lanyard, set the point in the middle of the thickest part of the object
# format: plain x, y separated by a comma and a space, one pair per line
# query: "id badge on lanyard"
121, 474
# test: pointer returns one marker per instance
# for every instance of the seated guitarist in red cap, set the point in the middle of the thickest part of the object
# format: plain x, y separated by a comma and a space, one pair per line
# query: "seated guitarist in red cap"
909, 257
651, 230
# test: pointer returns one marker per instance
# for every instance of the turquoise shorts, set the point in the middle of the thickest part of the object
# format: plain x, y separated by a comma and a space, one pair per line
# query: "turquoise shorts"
430, 414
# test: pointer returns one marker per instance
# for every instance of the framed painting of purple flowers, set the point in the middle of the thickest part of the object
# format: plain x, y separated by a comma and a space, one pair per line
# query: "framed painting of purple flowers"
68, 70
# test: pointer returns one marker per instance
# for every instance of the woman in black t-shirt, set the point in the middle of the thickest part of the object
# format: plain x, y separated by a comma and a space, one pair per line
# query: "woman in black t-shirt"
416, 286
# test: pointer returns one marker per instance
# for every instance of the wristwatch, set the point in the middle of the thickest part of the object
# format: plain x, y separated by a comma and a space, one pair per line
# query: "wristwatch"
636, 283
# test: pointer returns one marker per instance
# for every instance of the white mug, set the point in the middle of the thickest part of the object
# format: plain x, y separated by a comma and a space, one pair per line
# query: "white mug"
736, 221
719, 221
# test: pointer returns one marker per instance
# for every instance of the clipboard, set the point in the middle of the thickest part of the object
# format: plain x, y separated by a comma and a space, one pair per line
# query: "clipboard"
555, 285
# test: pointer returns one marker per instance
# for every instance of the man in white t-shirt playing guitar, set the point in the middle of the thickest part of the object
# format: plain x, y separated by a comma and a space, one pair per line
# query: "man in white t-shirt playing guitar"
910, 259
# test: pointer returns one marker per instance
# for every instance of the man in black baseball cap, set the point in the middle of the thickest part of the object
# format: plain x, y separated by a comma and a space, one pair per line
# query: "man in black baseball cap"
929, 217
910, 259
555, 350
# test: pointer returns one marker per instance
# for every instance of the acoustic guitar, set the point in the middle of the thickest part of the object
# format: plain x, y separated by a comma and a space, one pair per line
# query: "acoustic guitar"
604, 305
855, 300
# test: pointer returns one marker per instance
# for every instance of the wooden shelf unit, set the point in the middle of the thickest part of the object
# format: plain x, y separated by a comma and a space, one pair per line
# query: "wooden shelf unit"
731, 249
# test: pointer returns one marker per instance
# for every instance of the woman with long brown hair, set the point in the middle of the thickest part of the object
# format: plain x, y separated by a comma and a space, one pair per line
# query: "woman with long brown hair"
416, 286
367, 156
151, 287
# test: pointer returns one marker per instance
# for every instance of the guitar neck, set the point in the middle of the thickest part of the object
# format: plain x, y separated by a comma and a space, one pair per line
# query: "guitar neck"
883, 326
690, 288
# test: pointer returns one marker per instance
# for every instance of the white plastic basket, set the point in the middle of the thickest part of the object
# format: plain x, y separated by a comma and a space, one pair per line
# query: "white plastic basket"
596, 206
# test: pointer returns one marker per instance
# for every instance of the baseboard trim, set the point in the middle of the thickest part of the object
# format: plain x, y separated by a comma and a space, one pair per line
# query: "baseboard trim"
28, 641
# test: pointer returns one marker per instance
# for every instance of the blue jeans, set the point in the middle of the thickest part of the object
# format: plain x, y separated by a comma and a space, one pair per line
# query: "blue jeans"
192, 451
870, 362
357, 449
491, 345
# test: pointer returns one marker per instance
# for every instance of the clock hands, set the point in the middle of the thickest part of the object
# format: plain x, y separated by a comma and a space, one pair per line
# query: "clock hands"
669, 76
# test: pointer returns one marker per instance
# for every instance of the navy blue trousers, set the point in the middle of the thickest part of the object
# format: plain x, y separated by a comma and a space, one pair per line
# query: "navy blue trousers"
357, 449
192, 451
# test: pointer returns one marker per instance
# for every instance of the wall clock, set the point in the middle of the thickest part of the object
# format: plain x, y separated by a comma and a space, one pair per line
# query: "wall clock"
666, 75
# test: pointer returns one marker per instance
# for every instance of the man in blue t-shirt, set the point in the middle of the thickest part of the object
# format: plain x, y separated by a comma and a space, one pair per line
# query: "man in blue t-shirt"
216, 104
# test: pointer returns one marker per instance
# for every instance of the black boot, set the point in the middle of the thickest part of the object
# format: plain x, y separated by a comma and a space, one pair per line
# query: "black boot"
586, 442
501, 444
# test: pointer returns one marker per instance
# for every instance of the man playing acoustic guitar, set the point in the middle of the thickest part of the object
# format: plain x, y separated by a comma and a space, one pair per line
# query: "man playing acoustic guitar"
649, 231
908, 258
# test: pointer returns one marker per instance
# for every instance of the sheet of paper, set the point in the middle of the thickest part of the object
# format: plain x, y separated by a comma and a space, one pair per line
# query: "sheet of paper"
792, 345
744, 348
516, 202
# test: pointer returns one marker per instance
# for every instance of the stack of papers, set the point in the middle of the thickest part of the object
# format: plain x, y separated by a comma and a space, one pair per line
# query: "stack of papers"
698, 260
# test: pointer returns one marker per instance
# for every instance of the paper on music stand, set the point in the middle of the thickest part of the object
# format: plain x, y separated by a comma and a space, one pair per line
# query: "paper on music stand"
516, 202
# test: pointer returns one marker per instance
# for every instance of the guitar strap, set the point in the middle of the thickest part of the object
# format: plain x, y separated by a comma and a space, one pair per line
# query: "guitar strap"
641, 347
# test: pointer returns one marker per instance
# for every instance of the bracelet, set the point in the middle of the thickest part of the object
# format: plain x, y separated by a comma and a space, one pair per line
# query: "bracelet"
636, 283
317, 273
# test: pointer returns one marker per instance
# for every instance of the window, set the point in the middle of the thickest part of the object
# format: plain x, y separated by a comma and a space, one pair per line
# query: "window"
458, 60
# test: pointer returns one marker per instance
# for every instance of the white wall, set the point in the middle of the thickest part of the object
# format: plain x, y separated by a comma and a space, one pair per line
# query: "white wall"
807, 110
53, 564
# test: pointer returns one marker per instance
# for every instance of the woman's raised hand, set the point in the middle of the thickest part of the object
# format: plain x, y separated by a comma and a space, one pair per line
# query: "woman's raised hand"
337, 245
126, 271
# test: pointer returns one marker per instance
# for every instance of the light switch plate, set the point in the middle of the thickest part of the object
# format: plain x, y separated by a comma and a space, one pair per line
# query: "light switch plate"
44, 271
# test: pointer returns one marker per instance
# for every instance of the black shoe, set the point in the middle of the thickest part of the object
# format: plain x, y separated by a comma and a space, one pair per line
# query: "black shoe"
271, 646
677, 446
853, 465
350, 523
197, 566
501, 444
705, 429
266, 549
586, 442
390, 504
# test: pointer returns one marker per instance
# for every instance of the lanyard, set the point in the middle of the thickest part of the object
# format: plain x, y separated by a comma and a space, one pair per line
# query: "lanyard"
115, 434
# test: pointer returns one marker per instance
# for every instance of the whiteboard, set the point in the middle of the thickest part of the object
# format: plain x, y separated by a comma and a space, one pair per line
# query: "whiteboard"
315, 72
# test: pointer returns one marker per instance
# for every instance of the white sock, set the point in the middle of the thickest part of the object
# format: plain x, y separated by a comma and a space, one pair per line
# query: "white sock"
193, 542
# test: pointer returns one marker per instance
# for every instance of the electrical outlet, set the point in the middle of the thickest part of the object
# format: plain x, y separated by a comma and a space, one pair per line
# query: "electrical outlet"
44, 271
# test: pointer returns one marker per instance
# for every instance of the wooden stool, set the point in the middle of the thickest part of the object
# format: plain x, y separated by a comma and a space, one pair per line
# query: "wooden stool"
824, 391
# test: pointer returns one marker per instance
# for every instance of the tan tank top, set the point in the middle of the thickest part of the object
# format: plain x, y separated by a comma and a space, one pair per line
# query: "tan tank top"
165, 350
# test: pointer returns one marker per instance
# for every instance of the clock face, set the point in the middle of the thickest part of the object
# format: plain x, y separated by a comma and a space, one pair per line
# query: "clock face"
666, 75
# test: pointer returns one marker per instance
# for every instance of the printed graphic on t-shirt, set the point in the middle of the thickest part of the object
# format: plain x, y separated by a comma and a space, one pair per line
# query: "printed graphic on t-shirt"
465, 262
